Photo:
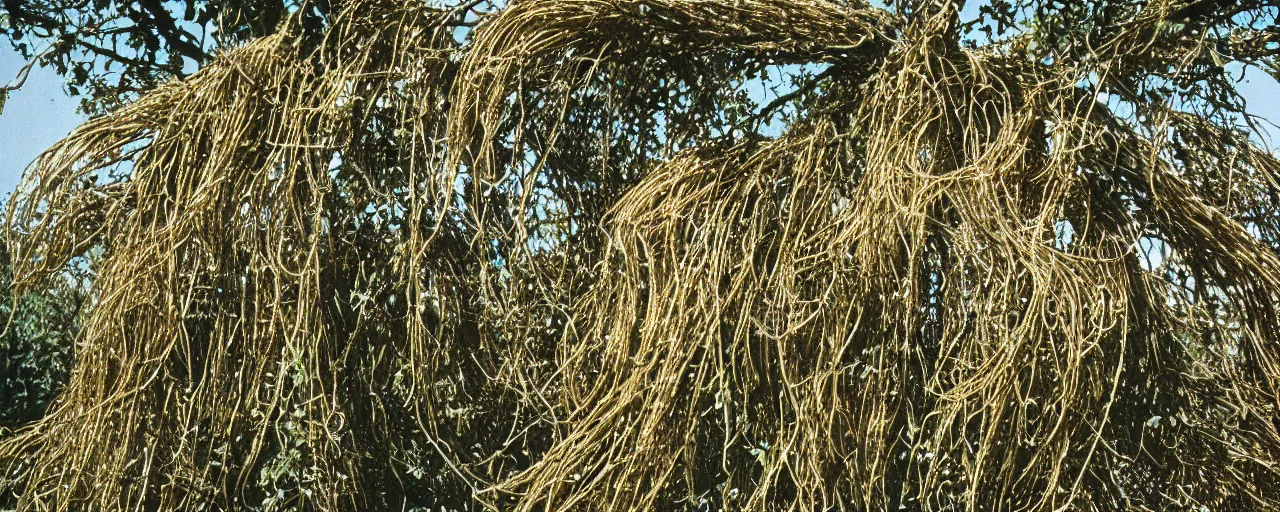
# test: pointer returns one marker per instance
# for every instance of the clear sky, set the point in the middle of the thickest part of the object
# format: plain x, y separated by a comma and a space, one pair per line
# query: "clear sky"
34, 117
40, 113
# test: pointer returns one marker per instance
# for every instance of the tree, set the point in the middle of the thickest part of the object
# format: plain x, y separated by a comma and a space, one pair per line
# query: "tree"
37, 343
549, 255
112, 51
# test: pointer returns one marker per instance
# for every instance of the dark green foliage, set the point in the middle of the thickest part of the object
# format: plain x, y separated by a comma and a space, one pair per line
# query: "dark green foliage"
37, 348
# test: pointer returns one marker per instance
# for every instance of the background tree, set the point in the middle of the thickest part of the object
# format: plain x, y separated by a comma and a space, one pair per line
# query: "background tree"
38, 343
549, 255
111, 51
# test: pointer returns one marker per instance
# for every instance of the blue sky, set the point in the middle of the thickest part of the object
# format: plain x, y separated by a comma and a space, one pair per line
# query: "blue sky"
34, 117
